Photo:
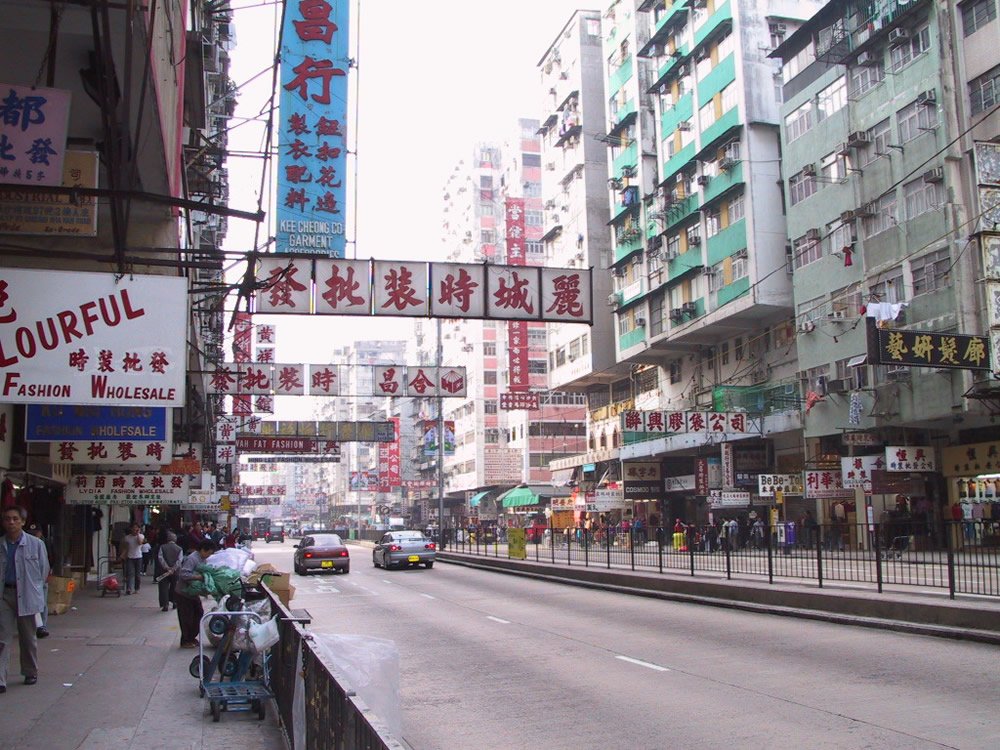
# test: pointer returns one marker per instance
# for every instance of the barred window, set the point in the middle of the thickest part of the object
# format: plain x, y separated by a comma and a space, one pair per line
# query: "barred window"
931, 271
975, 15
984, 92
914, 119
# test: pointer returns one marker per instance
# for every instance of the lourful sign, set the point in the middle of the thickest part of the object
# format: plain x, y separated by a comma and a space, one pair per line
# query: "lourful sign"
92, 338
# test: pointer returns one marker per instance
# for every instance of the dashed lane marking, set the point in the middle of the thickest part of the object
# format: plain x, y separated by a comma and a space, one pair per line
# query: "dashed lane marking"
497, 619
646, 664
428, 596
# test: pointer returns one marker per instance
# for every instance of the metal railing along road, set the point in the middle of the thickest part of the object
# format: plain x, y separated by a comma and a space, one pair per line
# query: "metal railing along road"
960, 556
334, 717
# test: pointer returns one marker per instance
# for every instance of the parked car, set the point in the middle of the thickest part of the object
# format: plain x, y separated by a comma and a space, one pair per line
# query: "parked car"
274, 534
408, 547
322, 552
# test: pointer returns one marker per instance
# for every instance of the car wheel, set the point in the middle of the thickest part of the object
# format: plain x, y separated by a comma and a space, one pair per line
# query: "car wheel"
347, 570
374, 559
429, 565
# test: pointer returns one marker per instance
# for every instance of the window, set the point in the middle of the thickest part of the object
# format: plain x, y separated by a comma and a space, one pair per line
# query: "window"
735, 209
574, 349
489, 348
489, 377
865, 77
486, 182
730, 97
713, 222
846, 301
888, 287
800, 187
673, 246
704, 65
840, 236
647, 380
706, 115
915, 118
532, 189
883, 215
539, 366
731, 150
879, 143
811, 378
975, 15
531, 160
537, 337
715, 277
486, 209
490, 406
931, 271
833, 168
675, 371
741, 266
802, 60
625, 323
560, 356
984, 92
724, 352
488, 236
693, 233
738, 348
534, 248
831, 99
810, 310
533, 218
725, 47
920, 196
806, 250
798, 122
903, 54
657, 315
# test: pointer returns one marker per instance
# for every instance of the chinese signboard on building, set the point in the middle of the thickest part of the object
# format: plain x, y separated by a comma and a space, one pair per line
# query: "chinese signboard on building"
53, 213
858, 471
47, 422
322, 286
92, 338
890, 346
909, 458
312, 148
127, 489
32, 134
516, 401
671, 422
967, 460
770, 484
825, 483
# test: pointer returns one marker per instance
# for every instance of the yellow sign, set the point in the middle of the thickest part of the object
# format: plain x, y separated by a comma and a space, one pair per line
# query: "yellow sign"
517, 548
23, 211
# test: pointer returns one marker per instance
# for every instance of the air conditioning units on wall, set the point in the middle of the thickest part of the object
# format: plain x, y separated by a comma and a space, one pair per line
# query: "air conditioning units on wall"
640, 322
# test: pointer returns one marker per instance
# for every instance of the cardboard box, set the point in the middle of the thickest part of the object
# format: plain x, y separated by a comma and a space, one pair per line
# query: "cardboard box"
285, 595
59, 602
278, 582
79, 579
61, 584
58, 609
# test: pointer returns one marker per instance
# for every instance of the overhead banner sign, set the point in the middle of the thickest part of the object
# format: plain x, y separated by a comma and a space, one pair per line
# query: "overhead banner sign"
285, 445
259, 379
32, 134
430, 438
344, 432
954, 351
127, 489
395, 380
673, 422
123, 453
322, 286
265, 461
519, 401
92, 338
824, 484
48, 422
312, 149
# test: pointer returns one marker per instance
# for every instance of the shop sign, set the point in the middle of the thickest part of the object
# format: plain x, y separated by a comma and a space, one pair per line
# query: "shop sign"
121, 453
562, 504
728, 468
649, 490
787, 484
886, 483
891, 346
512, 401
825, 483
345, 432
48, 422
641, 471
749, 459
857, 471
975, 458
728, 499
186, 459
701, 477
127, 489
33, 134
285, 445
865, 439
684, 422
92, 341
714, 473
745, 479
55, 213
684, 483
419, 484
909, 458
601, 501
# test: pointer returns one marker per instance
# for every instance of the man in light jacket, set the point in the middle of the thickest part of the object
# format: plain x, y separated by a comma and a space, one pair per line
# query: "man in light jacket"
24, 567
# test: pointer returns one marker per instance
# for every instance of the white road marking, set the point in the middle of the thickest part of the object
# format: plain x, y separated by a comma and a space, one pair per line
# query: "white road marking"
428, 596
646, 664
497, 619
385, 581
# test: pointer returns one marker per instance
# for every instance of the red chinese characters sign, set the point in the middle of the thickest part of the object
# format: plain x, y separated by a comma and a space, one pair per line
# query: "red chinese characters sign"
520, 400
825, 484
670, 422
517, 355
304, 285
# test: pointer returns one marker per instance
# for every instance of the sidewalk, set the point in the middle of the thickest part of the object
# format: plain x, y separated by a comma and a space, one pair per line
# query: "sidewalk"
111, 675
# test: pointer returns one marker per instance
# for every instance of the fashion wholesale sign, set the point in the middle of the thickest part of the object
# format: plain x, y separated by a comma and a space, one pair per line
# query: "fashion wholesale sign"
312, 148
46, 422
87, 338
127, 489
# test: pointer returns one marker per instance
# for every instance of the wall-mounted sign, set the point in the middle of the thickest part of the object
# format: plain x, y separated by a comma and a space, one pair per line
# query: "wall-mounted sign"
121, 452
518, 401
858, 438
92, 338
55, 213
891, 346
291, 284
857, 471
127, 489
909, 458
673, 422
728, 499
971, 459
33, 134
825, 484
644, 489
48, 422
787, 484
641, 471
601, 501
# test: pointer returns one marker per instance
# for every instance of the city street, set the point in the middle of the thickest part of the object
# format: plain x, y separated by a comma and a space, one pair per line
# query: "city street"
485, 656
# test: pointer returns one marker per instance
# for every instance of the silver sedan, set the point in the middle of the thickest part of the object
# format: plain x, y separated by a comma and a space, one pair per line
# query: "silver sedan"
399, 548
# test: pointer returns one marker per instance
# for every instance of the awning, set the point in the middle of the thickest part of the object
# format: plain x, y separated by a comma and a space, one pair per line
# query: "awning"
474, 500
562, 477
857, 361
529, 494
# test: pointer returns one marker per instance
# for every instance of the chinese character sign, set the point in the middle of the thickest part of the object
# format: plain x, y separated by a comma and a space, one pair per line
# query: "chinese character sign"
825, 484
312, 147
33, 123
518, 356
127, 489
343, 287
125, 452
857, 471
514, 401
514, 215
890, 346
400, 288
909, 458
457, 290
668, 422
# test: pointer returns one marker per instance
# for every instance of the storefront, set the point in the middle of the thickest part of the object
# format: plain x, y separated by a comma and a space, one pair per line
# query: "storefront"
972, 476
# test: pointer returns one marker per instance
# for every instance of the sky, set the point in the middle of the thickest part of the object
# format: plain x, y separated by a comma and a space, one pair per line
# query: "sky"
433, 79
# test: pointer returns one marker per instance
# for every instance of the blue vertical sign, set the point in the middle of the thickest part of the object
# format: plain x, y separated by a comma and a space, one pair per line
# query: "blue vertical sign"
312, 140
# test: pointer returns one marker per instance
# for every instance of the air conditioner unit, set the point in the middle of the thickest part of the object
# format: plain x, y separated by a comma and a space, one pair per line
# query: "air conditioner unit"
703, 179
809, 170
676, 313
684, 125
615, 184
618, 273
927, 97
726, 163
550, 166
614, 300
867, 59
741, 254
846, 217
840, 385
843, 149
640, 322
865, 210
898, 373
898, 34
934, 175
564, 75
670, 254
777, 28
807, 326
689, 307
858, 138
628, 171
813, 234
701, 54
694, 241
677, 54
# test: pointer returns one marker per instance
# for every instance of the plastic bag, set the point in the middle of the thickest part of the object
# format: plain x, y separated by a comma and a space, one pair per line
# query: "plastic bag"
232, 558
371, 665
264, 635
215, 582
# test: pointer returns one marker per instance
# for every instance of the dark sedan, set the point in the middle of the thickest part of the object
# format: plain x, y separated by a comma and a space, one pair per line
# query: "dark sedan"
322, 552
404, 548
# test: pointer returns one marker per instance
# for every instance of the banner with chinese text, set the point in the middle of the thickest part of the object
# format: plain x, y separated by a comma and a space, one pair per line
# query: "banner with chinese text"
33, 134
670, 422
127, 489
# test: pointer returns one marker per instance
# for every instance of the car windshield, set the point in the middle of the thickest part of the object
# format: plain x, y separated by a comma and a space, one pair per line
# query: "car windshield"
327, 540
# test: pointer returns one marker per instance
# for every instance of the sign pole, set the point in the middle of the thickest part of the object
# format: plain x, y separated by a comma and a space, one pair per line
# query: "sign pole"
440, 431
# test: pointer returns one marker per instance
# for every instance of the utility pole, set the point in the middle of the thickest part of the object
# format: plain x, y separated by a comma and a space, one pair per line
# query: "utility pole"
440, 432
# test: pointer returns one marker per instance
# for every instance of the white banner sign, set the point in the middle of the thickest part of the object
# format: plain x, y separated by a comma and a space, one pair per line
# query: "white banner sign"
85, 338
600, 501
856, 471
910, 458
728, 499
789, 484
825, 484
120, 453
127, 489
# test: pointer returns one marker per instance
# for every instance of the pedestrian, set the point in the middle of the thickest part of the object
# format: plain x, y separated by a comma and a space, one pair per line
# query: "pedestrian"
131, 551
147, 551
734, 534
232, 538
24, 567
189, 609
168, 560
42, 631
195, 536
811, 527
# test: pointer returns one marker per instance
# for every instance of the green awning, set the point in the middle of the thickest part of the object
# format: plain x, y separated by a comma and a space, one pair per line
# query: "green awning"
519, 496
474, 500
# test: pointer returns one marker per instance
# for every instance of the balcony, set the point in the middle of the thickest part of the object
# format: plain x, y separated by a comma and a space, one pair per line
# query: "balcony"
621, 117
671, 63
723, 182
684, 264
618, 78
633, 338
633, 291
680, 210
627, 243
673, 14
771, 398
629, 157
682, 110
731, 291
720, 127
723, 14
676, 162
717, 79
727, 242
